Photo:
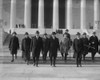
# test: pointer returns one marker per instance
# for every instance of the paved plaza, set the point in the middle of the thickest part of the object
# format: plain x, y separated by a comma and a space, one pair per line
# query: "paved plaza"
19, 70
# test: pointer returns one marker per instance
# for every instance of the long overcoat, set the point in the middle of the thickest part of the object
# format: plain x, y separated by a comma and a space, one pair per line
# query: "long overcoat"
36, 46
14, 45
93, 41
78, 46
46, 44
26, 44
85, 45
54, 46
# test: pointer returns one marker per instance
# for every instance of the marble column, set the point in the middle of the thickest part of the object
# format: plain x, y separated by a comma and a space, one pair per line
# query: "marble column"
96, 14
13, 14
41, 15
69, 22
1, 6
27, 14
55, 15
83, 15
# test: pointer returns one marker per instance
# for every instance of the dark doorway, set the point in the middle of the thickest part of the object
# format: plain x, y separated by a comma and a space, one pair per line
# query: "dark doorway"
34, 13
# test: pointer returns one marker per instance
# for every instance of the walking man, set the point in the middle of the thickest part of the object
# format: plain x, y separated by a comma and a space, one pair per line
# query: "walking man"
26, 47
14, 46
93, 42
85, 45
54, 46
78, 46
45, 46
36, 48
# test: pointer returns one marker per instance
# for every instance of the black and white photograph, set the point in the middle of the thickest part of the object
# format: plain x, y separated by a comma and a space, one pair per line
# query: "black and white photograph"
49, 39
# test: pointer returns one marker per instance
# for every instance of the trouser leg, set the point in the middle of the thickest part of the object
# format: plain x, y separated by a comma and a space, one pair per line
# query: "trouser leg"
22, 54
77, 63
34, 61
28, 57
93, 55
62, 55
45, 56
37, 59
84, 57
12, 58
66, 55
15, 54
80, 59
51, 60
54, 60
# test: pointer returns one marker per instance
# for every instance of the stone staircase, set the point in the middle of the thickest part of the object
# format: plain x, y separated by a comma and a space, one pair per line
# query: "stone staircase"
1, 38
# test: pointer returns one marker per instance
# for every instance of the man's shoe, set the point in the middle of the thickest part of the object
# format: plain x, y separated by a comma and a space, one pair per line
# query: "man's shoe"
12, 60
80, 65
15, 57
27, 63
36, 65
33, 64
54, 66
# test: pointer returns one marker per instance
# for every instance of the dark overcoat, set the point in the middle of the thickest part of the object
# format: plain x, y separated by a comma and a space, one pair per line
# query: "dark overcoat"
93, 41
22, 44
36, 46
46, 44
26, 44
85, 44
14, 45
54, 46
78, 46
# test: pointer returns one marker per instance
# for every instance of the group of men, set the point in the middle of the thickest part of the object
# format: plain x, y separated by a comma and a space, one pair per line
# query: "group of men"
81, 45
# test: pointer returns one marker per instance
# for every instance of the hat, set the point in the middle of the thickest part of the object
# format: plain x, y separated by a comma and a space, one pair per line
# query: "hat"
26, 33
78, 33
45, 33
14, 33
37, 32
53, 33
84, 33
94, 32
67, 30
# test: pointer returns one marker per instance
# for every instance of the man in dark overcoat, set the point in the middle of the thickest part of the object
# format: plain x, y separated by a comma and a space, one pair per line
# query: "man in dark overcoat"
22, 48
93, 42
26, 47
46, 44
36, 48
78, 46
54, 46
14, 45
85, 45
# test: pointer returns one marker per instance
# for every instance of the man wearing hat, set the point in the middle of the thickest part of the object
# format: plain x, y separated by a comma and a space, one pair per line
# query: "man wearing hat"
26, 47
78, 47
65, 46
14, 45
45, 46
66, 32
54, 46
93, 42
85, 45
36, 48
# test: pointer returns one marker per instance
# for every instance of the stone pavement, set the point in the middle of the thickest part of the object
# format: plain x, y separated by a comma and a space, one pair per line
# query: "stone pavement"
18, 70
46, 72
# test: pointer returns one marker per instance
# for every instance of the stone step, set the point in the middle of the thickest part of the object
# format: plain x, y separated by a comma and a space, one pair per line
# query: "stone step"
70, 61
1, 37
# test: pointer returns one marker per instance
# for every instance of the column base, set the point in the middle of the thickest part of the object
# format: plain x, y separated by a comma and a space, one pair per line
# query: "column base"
30, 30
